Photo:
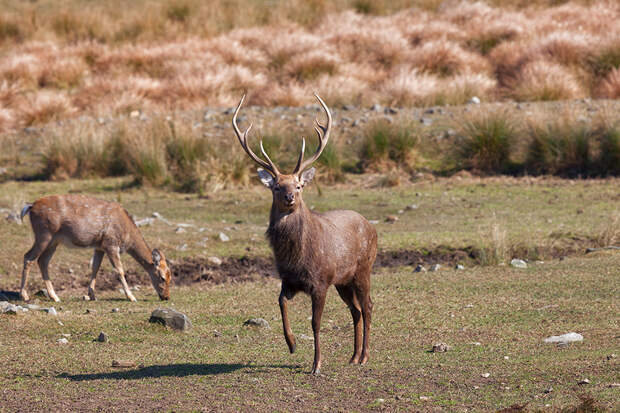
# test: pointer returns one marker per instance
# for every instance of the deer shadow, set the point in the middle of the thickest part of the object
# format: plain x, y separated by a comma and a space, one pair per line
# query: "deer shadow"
171, 370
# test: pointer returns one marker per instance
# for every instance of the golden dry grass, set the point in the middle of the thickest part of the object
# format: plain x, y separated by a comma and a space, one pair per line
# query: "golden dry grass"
418, 56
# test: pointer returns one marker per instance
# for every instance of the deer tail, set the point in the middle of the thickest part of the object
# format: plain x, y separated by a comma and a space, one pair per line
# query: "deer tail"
25, 210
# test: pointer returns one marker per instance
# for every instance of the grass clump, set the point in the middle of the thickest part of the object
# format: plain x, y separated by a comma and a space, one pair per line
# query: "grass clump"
386, 145
609, 151
485, 143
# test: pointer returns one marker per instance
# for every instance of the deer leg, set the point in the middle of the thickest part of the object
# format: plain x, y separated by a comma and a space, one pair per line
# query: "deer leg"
39, 246
96, 263
318, 302
366, 302
347, 294
44, 261
115, 259
285, 295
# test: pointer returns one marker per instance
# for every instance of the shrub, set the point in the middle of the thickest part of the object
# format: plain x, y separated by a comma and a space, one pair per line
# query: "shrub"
609, 151
385, 145
485, 143
562, 148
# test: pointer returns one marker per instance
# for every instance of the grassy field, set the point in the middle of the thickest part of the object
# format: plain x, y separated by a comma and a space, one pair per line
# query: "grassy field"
508, 311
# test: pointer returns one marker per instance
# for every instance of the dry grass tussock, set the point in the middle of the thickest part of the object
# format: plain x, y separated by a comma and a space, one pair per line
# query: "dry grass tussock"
374, 52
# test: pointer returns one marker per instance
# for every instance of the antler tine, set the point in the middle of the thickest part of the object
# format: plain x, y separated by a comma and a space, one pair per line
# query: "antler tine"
301, 156
243, 140
323, 138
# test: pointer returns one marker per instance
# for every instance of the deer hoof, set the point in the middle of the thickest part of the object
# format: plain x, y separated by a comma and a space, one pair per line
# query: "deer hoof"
315, 371
292, 347
354, 360
24, 295
364, 359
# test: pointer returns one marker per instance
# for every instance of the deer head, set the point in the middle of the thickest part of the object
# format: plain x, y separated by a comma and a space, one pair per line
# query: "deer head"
286, 189
160, 275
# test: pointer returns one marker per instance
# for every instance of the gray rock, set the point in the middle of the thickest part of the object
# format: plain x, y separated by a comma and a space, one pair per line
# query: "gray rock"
223, 237
348, 107
435, 267
257, 322
14, 218
440, 348
583, 381
306, 337
171, 318
390, 111
475, 100
12, 309
419, 268
374, 221
116, 310
429, 111
565, 338
214, 261
62, 341
411, 207
52, 311
426, 121
34, 307
459, 267
376, 107
517, 263
42, 293
103, 337
180, 230
145, 221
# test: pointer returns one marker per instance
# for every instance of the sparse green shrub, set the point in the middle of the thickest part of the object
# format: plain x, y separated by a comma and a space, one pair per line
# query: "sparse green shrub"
9, 30
385, 145
561, 148
178, 12
609, 151
485, 143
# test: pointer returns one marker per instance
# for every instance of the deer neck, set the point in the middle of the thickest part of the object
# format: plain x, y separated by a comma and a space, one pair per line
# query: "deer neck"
140, 251
287, 234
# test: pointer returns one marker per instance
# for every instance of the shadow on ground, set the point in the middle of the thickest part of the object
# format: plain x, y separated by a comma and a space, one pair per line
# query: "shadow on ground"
170, 370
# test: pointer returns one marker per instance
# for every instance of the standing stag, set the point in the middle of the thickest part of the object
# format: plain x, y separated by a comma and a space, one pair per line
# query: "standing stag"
84, 222
313, 251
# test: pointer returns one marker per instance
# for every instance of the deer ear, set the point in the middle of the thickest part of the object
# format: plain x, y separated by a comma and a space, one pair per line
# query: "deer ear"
306, 176
156, 257
265, 177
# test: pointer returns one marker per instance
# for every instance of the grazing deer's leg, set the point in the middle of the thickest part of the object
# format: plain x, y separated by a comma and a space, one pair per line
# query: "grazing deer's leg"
318, 302
115, 259
44, 261
285, 295
96, 263
348, 296
40, 244
364, 298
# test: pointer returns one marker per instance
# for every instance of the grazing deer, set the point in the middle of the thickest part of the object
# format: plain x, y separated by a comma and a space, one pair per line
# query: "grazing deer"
312, 250
85, 222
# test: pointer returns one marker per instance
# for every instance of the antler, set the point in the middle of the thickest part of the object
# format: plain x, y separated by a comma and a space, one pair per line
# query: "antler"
323, 138
243, 140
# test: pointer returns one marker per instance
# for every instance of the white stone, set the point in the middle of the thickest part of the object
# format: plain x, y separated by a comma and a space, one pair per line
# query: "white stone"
565, 338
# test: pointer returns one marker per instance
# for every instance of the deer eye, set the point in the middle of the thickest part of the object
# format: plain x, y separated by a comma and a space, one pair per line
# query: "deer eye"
298, 187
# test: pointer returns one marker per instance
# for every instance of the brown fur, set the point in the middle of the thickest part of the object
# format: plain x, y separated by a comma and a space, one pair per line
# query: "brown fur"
85, 222
313, 251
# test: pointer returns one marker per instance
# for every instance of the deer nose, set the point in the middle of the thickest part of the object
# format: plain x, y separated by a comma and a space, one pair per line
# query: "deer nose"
289, 197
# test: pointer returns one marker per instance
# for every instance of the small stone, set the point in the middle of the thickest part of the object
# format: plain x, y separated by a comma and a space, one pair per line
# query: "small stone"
42, 293
66, 335
103, 337
485, 375
374, 221
62, 341
429, 111
14, 218
565, 338
391, 218
440, 348
475, 100
182, 247
434, 267
419, 268
469, 306
223, 237
256, 322
33, 307
390, 111
615, 385
548, 390
217, 333
115, 310
459, 267
134, 114
348, 107
376, 107
426, 121
506, 358
306, 337
180, 230
380, 401
583, 381
517, 263
52, 311
171, 318
424, 398
611, 356
85, 298
90, 311
411, 207
214, 261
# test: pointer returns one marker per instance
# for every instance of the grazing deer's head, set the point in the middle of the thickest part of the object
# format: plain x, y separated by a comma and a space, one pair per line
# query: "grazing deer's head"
286, 189
160, 275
